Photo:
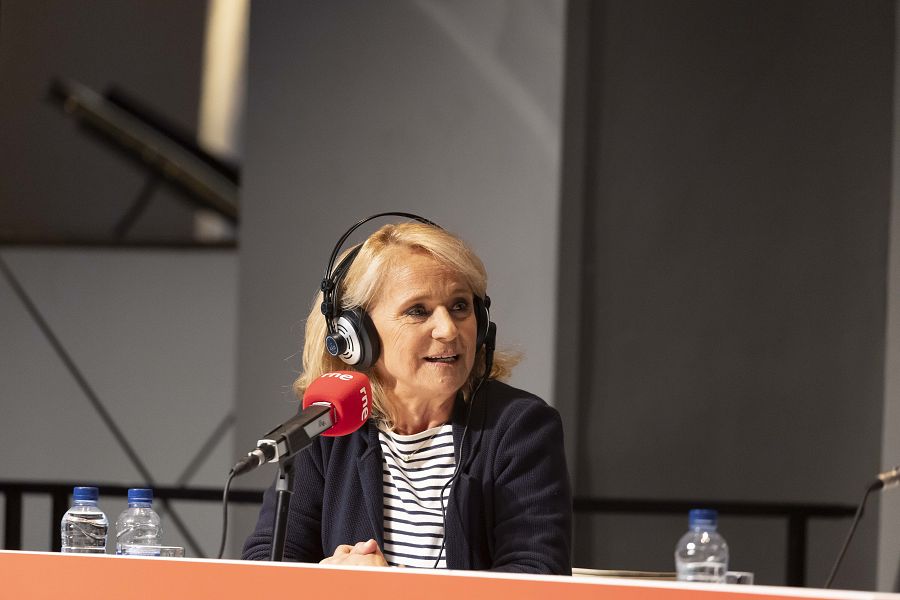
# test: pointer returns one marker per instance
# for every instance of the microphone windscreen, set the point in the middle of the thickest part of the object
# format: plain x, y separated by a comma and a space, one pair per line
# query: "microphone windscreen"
348, 392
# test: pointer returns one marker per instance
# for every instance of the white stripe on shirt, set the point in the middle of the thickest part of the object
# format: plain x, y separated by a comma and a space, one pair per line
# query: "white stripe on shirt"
413, 519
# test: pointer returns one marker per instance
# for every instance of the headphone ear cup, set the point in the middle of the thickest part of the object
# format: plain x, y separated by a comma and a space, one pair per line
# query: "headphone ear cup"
363, 343
482, 318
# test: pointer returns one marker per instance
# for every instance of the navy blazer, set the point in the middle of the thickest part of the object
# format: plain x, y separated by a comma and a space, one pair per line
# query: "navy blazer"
510, 507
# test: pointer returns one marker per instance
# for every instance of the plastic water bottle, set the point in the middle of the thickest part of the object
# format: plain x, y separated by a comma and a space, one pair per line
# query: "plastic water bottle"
84, 526
701, 553
137, 528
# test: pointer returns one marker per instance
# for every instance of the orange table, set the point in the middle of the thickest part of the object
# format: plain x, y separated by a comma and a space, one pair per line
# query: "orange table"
39, 575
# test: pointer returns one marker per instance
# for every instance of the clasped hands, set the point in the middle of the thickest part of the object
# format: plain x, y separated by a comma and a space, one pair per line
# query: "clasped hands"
366, 554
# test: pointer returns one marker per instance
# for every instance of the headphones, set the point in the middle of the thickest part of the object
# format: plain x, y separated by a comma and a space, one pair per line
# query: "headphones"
351, 335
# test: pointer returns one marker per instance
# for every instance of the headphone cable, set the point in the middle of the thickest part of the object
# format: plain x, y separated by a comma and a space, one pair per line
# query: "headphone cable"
488, 365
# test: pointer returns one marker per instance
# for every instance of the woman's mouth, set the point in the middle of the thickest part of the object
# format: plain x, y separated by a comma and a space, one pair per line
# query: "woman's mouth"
443, 358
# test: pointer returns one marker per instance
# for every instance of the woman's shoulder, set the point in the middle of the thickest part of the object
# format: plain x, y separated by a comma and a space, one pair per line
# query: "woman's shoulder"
504, 399
515, 418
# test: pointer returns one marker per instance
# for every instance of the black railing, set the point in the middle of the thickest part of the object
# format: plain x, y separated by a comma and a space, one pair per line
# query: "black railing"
60, 494
797, 518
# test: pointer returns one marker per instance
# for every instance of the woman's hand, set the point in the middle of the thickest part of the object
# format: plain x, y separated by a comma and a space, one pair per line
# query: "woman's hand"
366, 554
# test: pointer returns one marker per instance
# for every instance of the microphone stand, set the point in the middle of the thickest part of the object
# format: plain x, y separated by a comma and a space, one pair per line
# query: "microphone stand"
283, 486
284, 442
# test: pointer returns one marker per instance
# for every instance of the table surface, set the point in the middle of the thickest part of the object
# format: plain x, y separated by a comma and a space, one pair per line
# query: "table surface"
49, 575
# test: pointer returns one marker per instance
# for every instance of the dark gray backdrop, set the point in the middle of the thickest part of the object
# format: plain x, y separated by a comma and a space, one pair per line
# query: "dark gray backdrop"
57, 183
732, 204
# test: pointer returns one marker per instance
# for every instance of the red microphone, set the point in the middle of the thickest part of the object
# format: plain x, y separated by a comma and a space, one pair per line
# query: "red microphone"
348, 393
334, 404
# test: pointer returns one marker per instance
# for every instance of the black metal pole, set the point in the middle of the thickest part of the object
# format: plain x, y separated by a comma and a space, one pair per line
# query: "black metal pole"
60, 506
283, 500
796, 552
137, 208
13, 520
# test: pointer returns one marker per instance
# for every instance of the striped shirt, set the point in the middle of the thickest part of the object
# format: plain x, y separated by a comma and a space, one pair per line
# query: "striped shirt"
415, 470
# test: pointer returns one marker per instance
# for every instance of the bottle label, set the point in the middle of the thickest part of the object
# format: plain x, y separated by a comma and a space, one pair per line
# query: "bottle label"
138, 550
709, 572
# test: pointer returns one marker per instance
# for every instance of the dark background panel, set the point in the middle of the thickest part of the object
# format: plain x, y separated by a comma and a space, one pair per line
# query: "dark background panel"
736, 198
57, 182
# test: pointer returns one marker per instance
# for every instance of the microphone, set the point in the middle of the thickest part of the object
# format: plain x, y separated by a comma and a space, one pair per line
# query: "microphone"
885, 480
888, 479
334, 404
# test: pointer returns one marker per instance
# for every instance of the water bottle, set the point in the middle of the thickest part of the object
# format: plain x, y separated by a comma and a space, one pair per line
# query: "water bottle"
137, 528
701, 553
83, 528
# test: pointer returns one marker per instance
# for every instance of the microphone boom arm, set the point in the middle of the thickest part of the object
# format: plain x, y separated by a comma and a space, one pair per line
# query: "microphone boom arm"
289, 438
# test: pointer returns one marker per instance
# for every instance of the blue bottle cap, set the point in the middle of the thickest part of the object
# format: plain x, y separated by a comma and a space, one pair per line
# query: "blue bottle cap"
703, 517
85, 493
140, 495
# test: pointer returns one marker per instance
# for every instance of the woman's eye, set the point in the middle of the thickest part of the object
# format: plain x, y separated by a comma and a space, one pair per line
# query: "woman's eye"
461, 306
416, 311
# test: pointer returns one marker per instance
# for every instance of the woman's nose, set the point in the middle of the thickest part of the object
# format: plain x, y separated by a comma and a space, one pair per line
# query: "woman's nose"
444, 325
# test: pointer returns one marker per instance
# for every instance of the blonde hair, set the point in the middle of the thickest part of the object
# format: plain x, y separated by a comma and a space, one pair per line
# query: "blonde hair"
361, 286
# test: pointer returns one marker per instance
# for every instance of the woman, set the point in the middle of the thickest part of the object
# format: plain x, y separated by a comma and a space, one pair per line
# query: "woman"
454, 469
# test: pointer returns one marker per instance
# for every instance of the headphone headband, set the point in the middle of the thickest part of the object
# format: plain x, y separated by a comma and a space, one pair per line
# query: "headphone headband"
358, 224
334, 275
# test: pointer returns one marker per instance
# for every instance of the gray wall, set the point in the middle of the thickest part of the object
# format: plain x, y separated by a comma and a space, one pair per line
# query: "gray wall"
446, 109
735, 200
153, 333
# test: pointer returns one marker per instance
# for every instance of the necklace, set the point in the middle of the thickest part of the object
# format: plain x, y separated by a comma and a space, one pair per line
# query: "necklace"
409, 455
